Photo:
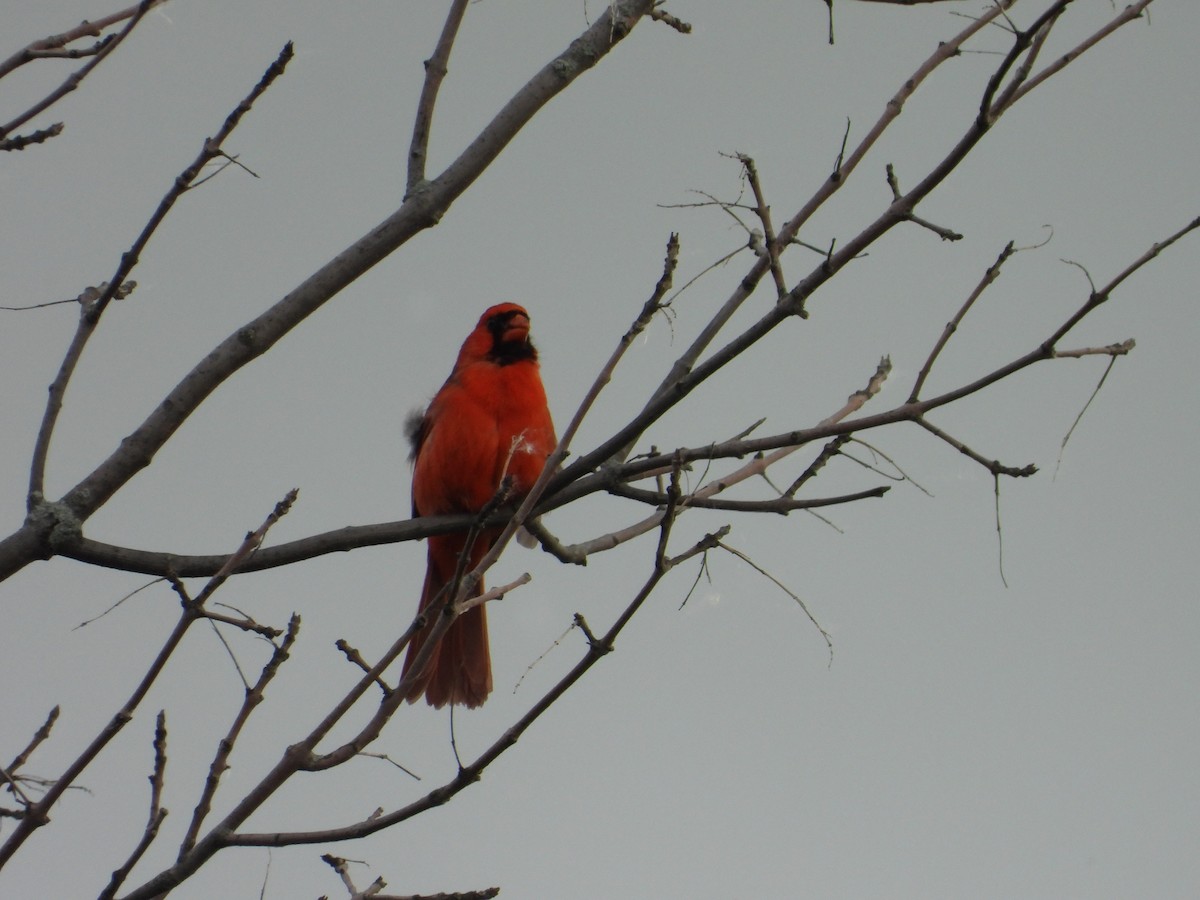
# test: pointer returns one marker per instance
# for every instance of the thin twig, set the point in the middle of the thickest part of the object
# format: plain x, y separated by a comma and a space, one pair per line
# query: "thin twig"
134, 14
184, 181
763, 211
387, 759
946, 234
992, 465
661, 15
157, 812
355, 657
992, 273
220, 763
555, 643
780, 505
91, 28
36, 741
370, 535
12, 785
21, 141
900, 474
245, 623
1061, 61
783, 587
435, 71
1070, 431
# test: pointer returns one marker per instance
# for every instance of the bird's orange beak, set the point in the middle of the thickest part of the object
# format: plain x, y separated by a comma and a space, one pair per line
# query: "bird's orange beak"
516, 329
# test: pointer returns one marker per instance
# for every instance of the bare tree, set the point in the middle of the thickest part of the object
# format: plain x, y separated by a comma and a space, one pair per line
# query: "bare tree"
658, 487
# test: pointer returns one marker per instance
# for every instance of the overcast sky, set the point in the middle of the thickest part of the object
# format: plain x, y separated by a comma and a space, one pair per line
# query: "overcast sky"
966, 739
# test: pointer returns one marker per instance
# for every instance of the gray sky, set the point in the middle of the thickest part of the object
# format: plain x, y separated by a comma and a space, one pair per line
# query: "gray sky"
967, 739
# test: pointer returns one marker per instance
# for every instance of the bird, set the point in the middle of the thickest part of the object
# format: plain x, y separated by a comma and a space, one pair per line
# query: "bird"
488, 421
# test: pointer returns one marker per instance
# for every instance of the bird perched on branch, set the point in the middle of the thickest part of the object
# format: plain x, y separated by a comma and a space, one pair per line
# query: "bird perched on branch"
488, 421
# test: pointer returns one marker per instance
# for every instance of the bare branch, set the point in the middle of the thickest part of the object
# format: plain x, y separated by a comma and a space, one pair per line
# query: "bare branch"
779, 505
1098, 297
192, 611
210, 151
251, 543
220, 763
992, 273
355, 657
93, 308
435, 71
387, 759
830, 450
990, 108
1125, 16
157, 812
342, 868
497, 592
38, 814
898, 475
359, 536
783, 587
36, 741
763, 211
56, 528
992, 465
1120, 348
661, 15
84, 29
908, 411
945, 234
552, 545
244, 622
21, 141
134, 15
14, 788
1117, 351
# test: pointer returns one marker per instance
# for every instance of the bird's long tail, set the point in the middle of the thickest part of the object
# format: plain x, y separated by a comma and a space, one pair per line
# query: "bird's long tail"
459, 670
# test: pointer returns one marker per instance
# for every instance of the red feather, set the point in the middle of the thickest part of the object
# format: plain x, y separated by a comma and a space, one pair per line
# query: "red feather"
489, 419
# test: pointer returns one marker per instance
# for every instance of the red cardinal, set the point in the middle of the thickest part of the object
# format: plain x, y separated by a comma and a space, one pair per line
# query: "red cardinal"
489, 419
